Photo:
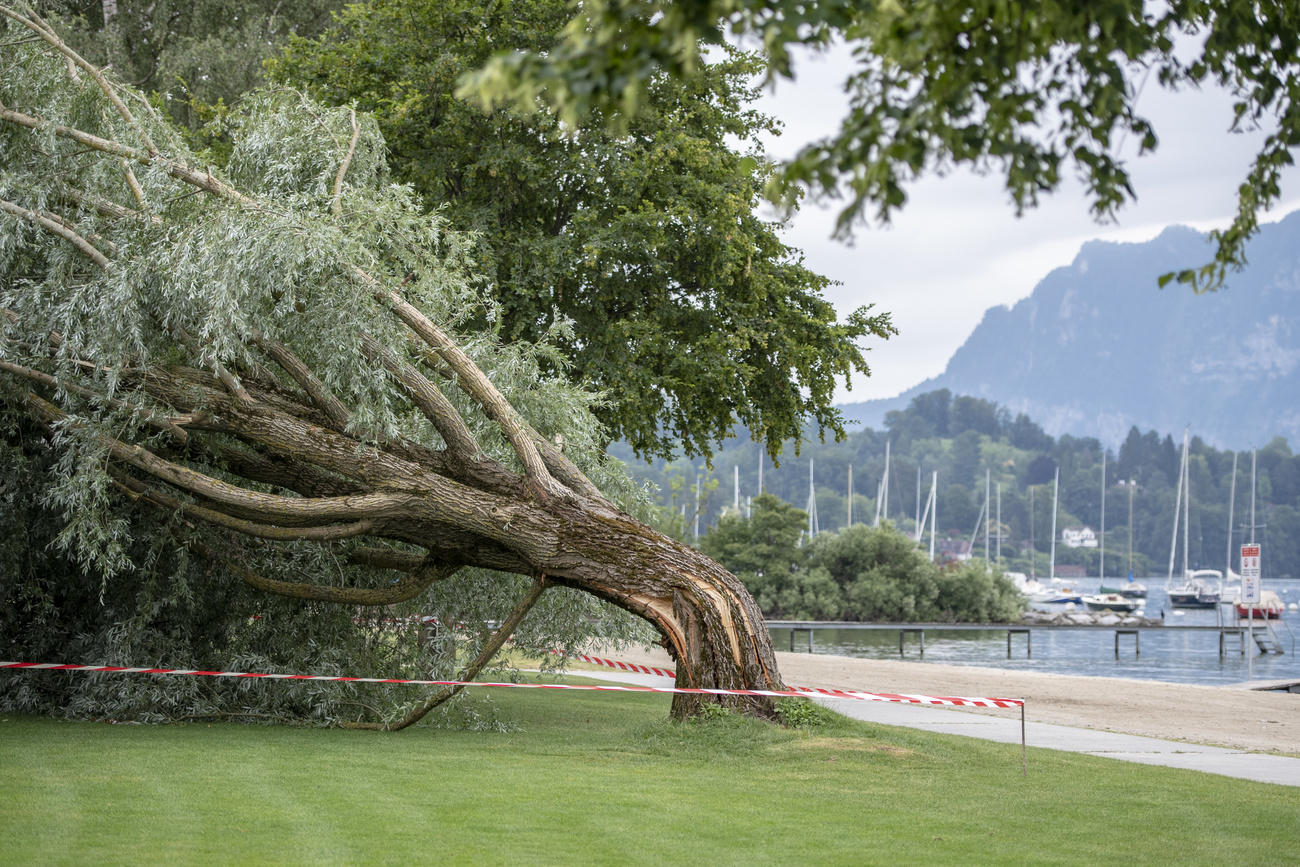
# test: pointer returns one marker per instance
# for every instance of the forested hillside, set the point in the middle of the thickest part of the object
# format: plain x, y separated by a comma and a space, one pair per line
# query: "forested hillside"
962, 437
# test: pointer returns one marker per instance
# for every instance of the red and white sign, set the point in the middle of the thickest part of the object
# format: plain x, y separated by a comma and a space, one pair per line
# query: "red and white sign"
1250, 591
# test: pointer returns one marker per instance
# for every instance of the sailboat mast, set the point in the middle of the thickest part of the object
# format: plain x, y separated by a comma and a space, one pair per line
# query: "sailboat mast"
884, 509
918, 502
735, 494
1056, 491
1187, 510
987, 516
812, 504
697, 507
1178, 508
760, 469
850, 521
934, 510
999, 547
1033, 545
1102, 568
1232, 501
1252, 496
1131, 486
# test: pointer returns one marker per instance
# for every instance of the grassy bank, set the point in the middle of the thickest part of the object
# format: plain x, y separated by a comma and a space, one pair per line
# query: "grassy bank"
599, 778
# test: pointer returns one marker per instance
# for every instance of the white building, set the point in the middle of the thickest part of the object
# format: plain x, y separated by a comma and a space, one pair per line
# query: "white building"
1079, 537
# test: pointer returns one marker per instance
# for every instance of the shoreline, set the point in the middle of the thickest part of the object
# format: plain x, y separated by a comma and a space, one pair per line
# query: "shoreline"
1226, 716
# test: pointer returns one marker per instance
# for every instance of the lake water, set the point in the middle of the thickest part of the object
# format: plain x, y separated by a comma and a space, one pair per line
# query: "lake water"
1169, 655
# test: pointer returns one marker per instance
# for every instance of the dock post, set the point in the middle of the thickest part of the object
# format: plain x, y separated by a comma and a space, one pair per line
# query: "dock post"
902, 633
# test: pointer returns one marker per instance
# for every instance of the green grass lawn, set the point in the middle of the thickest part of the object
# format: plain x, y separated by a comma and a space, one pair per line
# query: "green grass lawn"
593, 778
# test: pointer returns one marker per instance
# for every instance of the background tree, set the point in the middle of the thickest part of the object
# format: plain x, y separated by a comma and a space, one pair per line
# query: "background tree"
691, 314
194, 57
1032, 93
265, 352
766, 551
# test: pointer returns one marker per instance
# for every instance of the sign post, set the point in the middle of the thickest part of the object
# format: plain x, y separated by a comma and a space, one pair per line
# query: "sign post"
1250, 595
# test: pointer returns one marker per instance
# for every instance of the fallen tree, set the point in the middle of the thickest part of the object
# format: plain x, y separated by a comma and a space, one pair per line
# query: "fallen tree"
269, 352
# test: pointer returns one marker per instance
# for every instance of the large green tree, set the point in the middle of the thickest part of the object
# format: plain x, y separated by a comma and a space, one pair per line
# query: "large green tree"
1033, 92
691, 314
272, 354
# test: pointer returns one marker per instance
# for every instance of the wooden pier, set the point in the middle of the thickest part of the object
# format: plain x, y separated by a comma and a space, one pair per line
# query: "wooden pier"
918, 630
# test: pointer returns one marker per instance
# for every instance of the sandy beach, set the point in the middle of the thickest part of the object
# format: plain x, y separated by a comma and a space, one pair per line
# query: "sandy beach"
1215, 715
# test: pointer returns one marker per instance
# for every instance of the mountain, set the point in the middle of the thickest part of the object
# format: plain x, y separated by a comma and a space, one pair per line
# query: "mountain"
1097, 348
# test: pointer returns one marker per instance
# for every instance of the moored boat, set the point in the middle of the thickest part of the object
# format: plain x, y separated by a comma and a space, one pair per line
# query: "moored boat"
1131, 590
1269, 607
1195, 588
1109, 602
1201, 588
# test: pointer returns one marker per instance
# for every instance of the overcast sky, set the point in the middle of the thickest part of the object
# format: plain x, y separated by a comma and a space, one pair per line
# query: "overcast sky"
957, 247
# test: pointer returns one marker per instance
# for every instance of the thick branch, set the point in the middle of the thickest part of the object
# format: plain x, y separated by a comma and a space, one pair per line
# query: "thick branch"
474, 382
566, 471
325, 533
300, 511
297, 369
401, 591
169, 425
470, 671
427, 398
386, 558
105, 208
136, 189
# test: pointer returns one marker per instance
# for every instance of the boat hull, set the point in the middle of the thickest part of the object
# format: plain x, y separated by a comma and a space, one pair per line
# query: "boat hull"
1110, 602
1244, 611
1129, 592
1192, 599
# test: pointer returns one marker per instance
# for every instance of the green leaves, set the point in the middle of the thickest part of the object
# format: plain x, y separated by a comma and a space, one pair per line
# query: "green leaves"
634, 218
999, 86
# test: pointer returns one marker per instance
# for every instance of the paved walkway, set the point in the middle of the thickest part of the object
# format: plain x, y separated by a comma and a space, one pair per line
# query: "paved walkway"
1260, 767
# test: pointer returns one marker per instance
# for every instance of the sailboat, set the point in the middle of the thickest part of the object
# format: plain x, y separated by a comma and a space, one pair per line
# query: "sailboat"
1067, 593
1132, 589
1195, 588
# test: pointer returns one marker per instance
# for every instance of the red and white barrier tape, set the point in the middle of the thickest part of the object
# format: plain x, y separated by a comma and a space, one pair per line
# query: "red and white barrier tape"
620, 665
796, 691
833, 693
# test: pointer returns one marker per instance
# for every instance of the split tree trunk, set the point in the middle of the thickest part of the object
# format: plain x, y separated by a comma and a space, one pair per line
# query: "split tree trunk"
710, 624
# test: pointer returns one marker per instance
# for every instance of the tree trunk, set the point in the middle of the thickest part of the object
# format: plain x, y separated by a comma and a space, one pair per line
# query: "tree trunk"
708, 621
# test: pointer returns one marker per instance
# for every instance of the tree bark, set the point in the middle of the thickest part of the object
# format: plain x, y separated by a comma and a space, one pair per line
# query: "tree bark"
708, 621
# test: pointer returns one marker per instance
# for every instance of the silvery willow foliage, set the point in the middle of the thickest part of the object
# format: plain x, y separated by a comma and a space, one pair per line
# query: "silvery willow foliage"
159, 318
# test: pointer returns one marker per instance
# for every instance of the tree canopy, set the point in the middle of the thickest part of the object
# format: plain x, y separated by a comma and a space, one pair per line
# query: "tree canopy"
1032, 92
692, 316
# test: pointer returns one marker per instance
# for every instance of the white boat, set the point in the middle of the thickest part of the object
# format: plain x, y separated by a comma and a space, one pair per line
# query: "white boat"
1109, 602
1031, 588
1199, 588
